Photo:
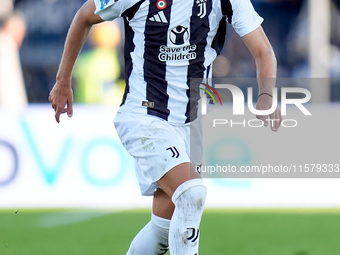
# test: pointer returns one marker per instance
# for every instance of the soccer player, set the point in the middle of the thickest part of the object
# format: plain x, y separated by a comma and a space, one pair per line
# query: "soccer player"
167, 42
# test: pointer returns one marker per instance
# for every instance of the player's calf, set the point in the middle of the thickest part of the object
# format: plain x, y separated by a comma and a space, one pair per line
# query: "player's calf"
152, 239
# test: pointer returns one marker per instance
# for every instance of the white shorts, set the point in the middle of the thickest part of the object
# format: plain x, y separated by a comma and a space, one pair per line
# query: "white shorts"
156, 145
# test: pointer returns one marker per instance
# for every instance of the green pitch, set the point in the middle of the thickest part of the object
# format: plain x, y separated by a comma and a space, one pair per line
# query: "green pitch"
227, 232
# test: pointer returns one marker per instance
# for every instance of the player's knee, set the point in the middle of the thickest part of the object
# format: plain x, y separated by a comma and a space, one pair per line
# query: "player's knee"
189, 200
190, 193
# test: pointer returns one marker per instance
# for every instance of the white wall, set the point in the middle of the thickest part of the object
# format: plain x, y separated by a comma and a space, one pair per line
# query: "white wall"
81, 163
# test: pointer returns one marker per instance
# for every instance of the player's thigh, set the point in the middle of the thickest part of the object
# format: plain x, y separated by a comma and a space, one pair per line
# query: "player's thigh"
157, 146
162, 205
176, 176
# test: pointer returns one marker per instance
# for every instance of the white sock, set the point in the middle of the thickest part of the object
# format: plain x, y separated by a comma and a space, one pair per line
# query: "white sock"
152, 239
189, 199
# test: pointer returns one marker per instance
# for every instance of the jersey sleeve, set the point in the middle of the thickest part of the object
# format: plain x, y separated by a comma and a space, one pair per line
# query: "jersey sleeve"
244, 18
109, 9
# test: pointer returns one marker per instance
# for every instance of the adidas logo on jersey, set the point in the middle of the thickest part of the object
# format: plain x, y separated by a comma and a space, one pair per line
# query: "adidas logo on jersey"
159, 17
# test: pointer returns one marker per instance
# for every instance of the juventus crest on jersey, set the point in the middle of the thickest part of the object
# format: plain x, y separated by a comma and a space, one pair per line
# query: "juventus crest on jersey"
170, 42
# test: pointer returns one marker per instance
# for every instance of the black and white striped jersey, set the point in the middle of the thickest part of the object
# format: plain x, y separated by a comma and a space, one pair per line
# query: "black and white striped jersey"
168, 42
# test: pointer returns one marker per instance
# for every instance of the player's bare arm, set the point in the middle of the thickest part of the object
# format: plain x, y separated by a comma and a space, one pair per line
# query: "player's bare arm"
266, 66
61, 96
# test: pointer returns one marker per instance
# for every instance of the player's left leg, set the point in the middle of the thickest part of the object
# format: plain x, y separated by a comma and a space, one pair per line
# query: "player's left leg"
162, 157
153, 238
188, 192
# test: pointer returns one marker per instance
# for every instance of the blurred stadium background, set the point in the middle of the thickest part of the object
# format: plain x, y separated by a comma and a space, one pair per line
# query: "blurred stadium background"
70, 188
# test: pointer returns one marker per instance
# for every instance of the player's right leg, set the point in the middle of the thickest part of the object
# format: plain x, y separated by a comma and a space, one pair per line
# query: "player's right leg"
153, 238
182, 187
162, 158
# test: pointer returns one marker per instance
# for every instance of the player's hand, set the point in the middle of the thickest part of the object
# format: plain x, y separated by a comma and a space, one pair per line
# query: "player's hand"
61, 98
273, 120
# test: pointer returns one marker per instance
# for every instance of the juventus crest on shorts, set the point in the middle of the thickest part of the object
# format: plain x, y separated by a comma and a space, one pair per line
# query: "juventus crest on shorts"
169, 42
